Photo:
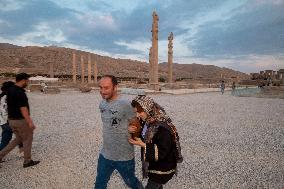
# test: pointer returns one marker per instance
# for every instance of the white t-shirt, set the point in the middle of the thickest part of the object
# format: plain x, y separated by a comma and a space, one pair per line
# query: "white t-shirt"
3, 111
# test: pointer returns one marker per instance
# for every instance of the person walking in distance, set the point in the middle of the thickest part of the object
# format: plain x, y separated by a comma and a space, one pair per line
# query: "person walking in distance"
222, 86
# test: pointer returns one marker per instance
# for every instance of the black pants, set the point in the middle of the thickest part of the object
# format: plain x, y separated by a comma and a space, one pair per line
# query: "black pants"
153, 185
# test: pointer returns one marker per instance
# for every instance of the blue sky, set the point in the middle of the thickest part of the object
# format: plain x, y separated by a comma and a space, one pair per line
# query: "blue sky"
245, 35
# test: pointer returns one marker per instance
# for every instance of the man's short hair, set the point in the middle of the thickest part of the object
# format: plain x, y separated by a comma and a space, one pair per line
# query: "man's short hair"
112, 77
22, 76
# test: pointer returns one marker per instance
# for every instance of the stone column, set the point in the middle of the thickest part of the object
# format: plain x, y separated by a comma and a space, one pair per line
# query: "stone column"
150, 66
17, 61
170, 58
82, 69
95, 72
17, 69
51, 71
89, 69
155, 50
74, 71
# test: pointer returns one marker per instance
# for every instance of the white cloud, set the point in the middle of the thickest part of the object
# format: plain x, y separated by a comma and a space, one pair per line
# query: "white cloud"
221, 13
122, 5
273, 2
20, 42
139, 45
97, 21
72, 4
42, 35
4, 23
85, 48
44, 32
11, 5
180, 48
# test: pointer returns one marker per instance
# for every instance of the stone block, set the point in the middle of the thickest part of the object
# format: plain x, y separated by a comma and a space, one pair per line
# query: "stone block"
85, 89
34, 87
52, 90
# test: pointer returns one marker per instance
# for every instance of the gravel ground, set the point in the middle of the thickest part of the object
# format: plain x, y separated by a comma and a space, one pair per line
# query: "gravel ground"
227, 142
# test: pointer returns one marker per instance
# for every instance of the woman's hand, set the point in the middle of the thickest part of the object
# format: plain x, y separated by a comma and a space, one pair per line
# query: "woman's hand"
137, 141
132, 128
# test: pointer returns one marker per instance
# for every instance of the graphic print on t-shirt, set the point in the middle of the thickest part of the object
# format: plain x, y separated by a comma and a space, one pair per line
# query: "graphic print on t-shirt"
115, 120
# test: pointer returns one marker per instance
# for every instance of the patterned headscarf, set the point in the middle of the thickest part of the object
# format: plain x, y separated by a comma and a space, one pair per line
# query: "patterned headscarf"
155, 114
154, 111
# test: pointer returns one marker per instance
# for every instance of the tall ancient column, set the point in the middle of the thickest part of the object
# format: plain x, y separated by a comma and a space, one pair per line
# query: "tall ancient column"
17, 61
17, 69
170, 58
82, 69
150, 66
95, 72
74, 71
51, 71
155, 50
89, 69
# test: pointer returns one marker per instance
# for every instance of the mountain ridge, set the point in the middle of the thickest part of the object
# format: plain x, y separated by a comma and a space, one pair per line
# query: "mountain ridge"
36, 60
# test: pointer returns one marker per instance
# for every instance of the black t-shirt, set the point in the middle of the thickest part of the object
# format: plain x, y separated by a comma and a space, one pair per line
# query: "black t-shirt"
16, 98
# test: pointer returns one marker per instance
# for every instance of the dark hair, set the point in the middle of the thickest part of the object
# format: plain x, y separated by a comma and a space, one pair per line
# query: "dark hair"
22, 76
113, 79
5, 86
136, 105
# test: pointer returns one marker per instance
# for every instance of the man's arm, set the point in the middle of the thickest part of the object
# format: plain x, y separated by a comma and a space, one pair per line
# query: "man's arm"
130, 113
26, 115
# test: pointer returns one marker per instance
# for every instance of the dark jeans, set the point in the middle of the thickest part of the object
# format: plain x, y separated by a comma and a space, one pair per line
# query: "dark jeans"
7, 134
125, 168
153, 185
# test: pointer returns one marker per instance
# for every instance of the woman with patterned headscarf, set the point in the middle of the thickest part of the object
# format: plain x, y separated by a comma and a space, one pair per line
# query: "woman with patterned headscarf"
160, 143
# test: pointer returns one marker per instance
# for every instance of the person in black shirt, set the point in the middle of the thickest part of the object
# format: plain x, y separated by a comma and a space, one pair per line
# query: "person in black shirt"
20, 120
7, 132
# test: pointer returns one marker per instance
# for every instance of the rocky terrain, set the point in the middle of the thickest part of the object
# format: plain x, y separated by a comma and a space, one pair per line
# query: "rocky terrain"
37, 60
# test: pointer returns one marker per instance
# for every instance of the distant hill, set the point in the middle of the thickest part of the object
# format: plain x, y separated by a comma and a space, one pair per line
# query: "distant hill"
199, 71
8, 46
36, 60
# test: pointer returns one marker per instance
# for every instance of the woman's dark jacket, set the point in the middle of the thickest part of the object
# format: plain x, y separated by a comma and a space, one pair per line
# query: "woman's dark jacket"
161, 155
